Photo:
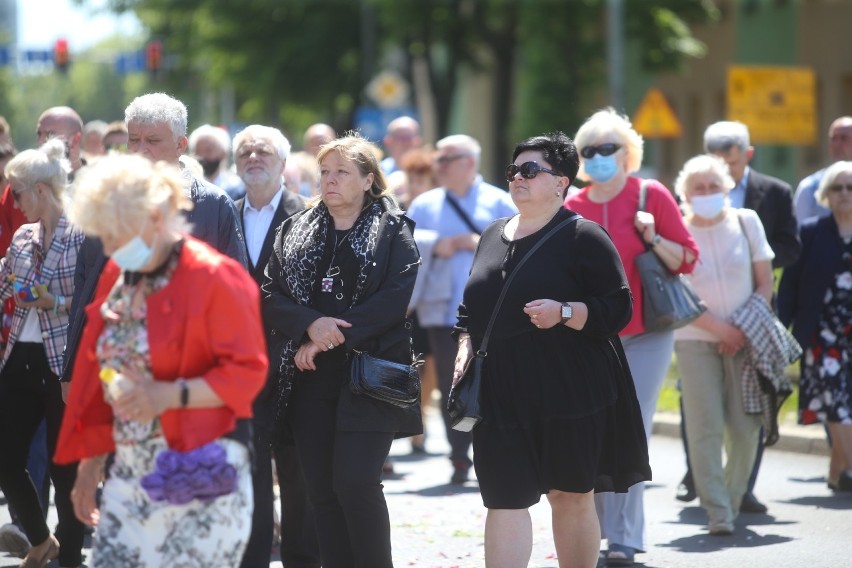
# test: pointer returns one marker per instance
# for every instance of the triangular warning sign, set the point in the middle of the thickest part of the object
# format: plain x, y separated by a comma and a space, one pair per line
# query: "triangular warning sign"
655, 118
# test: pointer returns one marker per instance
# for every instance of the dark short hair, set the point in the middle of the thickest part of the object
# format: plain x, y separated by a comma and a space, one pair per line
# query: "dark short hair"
557, 149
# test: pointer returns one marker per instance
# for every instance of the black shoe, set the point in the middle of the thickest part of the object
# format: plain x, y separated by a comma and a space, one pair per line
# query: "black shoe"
750, 504
844, 482
460, 473
686, 490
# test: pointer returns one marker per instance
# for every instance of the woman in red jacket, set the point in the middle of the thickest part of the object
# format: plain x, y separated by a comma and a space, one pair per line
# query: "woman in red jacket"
174, 334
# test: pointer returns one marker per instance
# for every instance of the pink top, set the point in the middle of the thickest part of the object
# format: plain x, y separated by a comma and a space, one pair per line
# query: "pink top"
617, 217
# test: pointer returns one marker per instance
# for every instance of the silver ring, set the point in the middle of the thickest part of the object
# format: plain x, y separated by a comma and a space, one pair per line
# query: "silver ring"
331, 345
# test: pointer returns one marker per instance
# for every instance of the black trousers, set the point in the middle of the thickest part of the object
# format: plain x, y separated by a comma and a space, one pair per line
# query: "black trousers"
299, 547
343, 472
30, 392
444, 348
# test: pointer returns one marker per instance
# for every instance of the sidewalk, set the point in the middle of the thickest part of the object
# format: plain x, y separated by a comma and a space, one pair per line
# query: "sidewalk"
794, 438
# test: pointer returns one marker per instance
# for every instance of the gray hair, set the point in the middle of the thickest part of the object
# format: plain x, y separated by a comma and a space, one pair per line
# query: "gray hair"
215, 133
158, 108
703, 164
464, 142
723, 135
608, 121
279, 141
46, 165
829, 176
98, 126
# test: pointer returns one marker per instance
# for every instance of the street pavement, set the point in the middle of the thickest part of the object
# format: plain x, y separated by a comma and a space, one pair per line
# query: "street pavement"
437, 525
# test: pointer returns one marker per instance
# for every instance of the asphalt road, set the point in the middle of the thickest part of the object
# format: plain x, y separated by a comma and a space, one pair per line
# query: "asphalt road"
436, 525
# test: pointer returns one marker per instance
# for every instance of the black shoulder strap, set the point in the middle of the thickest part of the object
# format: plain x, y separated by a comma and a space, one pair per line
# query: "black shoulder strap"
464, 216
643, 194
483, 348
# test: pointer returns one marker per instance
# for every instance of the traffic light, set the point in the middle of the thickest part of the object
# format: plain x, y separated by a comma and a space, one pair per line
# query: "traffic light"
154, 56
61, 57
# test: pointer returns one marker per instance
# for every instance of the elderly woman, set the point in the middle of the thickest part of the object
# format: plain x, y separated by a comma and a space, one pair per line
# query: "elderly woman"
610, 151
38, 272
560, 415
736, 262
815, 296
339, 279
169, 365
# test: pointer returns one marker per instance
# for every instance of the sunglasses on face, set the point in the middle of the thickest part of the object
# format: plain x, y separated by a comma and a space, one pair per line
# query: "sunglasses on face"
608, 149
838, 187
528, 170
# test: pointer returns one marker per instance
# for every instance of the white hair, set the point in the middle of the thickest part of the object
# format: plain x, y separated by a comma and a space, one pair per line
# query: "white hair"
829, 176
464, 142
46, 165
704, 164
725, 134
215, 133
279, 141
158, 108
603, 123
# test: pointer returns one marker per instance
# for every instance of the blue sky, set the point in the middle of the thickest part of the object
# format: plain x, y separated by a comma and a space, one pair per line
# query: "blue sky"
41, 22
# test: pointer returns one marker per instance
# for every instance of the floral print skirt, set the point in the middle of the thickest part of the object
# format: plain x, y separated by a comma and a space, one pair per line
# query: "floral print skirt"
825, 390
135, 531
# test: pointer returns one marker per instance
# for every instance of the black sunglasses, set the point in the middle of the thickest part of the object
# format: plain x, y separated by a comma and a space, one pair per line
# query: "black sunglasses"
838, 187
607, 149
528, 170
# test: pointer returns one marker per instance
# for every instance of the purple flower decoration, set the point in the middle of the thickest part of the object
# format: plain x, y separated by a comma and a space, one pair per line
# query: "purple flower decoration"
203, 473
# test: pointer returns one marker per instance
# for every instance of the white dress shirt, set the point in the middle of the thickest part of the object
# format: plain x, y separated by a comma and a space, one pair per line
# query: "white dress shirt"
256, 223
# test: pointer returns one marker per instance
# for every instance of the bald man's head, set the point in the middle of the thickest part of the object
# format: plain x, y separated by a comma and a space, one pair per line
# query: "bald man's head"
62, 122
316, 135
840, 138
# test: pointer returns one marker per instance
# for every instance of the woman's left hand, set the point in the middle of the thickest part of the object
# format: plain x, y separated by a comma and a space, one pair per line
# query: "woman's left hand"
145, 400
544, 314
45, 300
306, 355
645, 224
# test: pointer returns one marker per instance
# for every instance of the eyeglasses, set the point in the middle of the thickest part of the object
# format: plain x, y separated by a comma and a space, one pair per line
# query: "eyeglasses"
607, 149
444, 160
838, 187
528, 170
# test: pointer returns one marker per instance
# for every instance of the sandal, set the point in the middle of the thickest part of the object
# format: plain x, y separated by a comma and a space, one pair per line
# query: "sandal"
620, 555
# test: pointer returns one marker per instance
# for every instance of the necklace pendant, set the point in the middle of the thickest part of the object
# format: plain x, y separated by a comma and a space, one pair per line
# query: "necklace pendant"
326, 284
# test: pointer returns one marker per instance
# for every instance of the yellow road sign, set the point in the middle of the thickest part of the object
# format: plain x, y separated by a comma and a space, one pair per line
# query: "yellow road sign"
655, 118
778, 104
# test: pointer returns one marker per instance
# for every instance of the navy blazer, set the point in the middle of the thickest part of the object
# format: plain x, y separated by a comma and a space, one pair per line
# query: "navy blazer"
772, 199
265, 404
801, 293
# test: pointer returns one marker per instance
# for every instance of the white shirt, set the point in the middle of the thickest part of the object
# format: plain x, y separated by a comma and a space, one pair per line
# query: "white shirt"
31, 330
257, 222
723, 276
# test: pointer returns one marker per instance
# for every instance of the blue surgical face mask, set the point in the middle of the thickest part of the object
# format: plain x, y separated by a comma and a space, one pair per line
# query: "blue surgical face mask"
601, 168
708, 206
133, 255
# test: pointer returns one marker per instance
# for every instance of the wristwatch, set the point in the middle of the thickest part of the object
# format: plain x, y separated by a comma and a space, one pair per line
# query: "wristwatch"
567, 311
655, 240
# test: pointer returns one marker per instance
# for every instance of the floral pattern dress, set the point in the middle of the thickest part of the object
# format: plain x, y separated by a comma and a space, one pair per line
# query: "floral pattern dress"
825, 391
135, 530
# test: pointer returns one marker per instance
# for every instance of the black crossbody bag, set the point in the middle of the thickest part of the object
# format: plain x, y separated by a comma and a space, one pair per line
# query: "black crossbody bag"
463, 401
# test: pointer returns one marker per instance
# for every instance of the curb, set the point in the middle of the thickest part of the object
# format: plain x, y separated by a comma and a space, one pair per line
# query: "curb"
794, 438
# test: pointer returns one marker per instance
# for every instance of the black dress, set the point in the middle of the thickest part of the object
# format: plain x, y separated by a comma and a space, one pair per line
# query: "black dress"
559, 407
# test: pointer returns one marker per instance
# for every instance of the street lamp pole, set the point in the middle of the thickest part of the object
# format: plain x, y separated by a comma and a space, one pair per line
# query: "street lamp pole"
615, 52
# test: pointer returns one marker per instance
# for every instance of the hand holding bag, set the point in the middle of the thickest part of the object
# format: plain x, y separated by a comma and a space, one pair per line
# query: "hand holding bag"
463, 401
397, 384
668, 300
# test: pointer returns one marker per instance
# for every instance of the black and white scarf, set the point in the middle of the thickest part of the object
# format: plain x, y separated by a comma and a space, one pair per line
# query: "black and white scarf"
302, 252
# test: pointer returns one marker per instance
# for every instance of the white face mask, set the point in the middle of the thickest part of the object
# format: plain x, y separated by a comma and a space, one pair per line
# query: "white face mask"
133, 255
708, 206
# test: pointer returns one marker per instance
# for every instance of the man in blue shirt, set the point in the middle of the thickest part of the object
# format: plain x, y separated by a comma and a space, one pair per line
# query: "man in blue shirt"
840, 148
449, 220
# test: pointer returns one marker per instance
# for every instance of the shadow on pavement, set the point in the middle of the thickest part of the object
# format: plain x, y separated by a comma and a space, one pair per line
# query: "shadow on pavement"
742, 538
444, 490
834, 502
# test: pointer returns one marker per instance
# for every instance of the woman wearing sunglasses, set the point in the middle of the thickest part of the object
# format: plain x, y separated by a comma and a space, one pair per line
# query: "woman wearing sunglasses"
560, 415
38, 272
815, 295
610, 151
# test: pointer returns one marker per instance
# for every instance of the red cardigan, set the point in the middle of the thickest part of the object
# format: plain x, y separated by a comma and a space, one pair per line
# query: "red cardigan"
205, 322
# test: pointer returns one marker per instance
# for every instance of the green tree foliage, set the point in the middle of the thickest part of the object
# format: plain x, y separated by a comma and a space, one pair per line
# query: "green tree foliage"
294, 61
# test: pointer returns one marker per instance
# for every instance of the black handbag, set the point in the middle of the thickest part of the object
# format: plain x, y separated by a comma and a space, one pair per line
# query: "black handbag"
463, 401
668, 300
397, 384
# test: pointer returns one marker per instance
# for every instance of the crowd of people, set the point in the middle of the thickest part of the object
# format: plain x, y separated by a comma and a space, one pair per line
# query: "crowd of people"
181, 313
